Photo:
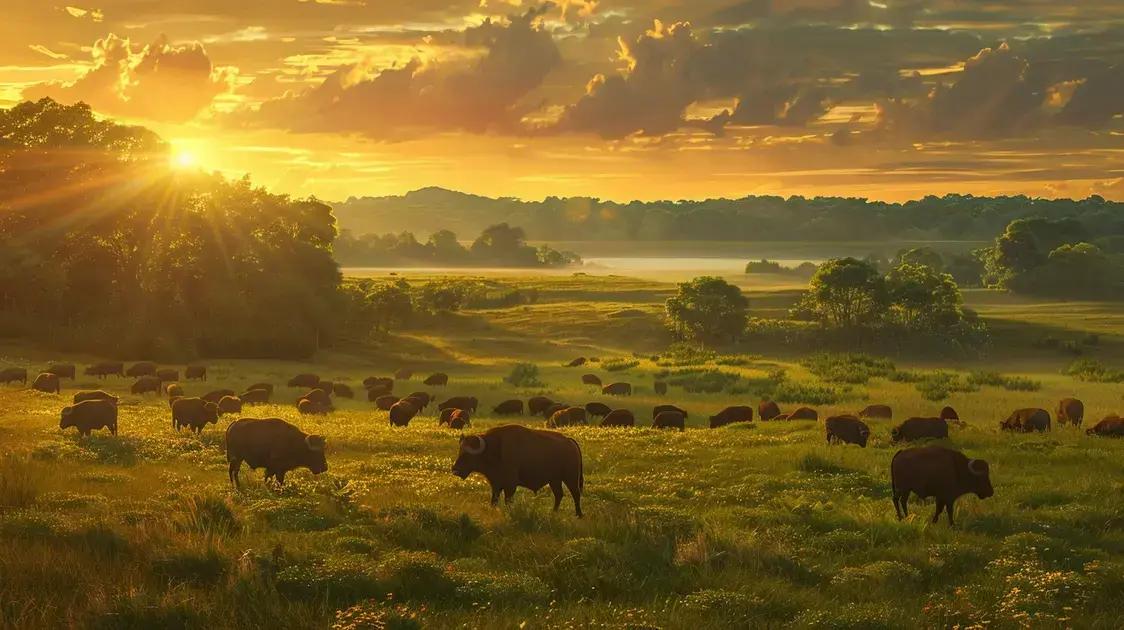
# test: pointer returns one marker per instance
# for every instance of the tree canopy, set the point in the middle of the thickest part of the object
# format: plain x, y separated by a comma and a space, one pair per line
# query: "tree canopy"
708, 309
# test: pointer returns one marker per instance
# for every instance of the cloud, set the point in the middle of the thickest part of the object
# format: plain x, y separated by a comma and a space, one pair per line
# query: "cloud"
157, 82
1096, 101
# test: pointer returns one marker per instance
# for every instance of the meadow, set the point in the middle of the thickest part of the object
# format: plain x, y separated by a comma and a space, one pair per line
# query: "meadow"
751, 525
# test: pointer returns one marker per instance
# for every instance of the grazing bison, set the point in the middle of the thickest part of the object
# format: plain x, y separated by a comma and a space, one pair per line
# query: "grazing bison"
512, 407
146, 384
804, 413
538, 404
313, 408
617, 389
455, 418
144, 368
168, 375
255, 397
877, 411
317, 396
553, 409
767, 410
578, 362
468, 403
376, 392
948, 414
325, 386
197, 372
938, 472
658, 409
403, 374
570, 416
619, 418
669, 420
230, 404
194, 413
597, 410
660, 387
218, 395
173, 390
90, 415
591, 379
423, 397
343, 390
379, 381
1071, 410
846, 429
46, 382
384, 403
62, 370
307, 381
730, 415
274, 445
11, 375
511, 456
919, 428
264, 386
105, 368
1027, 421
94, 395
439, 379
402, 412
1110, 426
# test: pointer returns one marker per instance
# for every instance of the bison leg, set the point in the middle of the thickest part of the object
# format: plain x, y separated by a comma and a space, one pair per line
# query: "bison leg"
575, 489
508, 495
113, 429
902, 498
941, 506
495, 495
556, 488
232, 472
948, 510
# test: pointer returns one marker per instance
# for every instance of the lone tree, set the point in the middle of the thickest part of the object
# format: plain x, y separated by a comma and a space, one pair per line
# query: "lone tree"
846, 293
708, 309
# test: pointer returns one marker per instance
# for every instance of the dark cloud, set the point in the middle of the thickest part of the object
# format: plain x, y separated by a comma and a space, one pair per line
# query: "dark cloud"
1096, 101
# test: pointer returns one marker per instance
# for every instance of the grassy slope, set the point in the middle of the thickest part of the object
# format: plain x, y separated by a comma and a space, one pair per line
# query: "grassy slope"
764, 525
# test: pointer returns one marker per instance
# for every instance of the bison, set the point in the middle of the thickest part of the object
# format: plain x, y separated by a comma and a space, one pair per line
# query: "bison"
804, 413
554, 408
218, 395
1071, 410
11, 375
596, 409
274, 445
617, 389
1027, 420
325, 386
730, 415
938, 472
402, 412
660, 387
456, 418
194, 413
173, 390
90, 415
511, 456
342, 390
403, 374
379, 381
384, 403
919, 428
144, 368
376, 392
619, 418
468, 403
846, 429
265, 386
168, 375
255, 397
767, 410
306, 381
1110, 426
570, 416
146, 384
422, 397
537, 404
578, 362
62, 370
591, 379
309, 407
877, 411
46, 382
94, 395
658, 409
512, 407
669, 420
948, 414
438, 379
317, 396
196, 372
105, 368
229, 405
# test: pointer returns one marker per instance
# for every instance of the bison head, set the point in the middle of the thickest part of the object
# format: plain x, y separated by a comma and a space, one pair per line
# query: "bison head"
66, 422
315, 458
980, 478
471, 458
211, 413
864, 434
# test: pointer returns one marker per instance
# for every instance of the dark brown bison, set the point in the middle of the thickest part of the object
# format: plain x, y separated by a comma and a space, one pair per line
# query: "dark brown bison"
938, 472
402, 412
11, 375
379, 381
578, 362
658, 409
511, 456
325, 386
781, 417
230, 404
90, 415
94, 395
46, 382
591, 379
553, 409
597, 410
313, 408
468, 403
255, 397
384, 403
343, 390
62, 370
423, 397
846, 429
804, 413
570, 416
1071, 410
144, 368
197, 372
512, 407
877, 411
403, 374
1110, 426
619, 418
660, 387
948, 414
537, 404
106, 368
274, 445
919, 428
439, 379
730, 415
455, 418
264, 386
1027, 421
168, 375
306, 381
377, 392
218, 395
146, 384
317, 396
173, 390
767, 410
194, 413
617, 389
669, 420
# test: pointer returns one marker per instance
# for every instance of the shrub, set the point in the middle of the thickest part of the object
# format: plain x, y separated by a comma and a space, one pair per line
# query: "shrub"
793, 392
939, 385
337, 579
701, 380
1094, 371
418, 575
853, 368
680, 354
619, 365
486, 588
1011, 383
524, 375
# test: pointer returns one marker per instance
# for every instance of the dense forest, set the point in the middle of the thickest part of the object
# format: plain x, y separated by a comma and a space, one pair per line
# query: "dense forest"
952, 217
498, 245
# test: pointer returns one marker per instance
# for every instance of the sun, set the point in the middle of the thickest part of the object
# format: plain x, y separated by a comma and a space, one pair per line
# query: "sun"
184, 160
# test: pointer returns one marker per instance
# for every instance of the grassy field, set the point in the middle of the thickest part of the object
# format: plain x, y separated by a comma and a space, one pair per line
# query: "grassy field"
761, 525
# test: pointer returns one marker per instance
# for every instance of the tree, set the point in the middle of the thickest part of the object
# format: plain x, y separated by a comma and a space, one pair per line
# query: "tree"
920, 256
708, 308
922, 299
390, 305
847, 293
504, 244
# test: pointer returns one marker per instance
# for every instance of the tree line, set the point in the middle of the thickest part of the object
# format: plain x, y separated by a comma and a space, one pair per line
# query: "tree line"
499, 245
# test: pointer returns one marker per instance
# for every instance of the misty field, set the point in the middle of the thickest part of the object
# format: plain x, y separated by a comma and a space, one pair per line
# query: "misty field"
760, 525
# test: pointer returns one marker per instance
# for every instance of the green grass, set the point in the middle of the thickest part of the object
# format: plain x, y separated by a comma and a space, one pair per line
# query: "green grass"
760, 525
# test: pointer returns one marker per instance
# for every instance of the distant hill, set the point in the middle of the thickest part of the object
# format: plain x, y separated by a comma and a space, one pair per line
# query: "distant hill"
762, 218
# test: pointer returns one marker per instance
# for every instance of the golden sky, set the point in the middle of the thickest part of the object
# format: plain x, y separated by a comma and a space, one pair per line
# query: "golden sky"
620, 99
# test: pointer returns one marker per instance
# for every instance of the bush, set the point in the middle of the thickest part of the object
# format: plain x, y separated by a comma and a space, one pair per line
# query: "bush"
1011, 383
619, 365
337, 579
680, 354
793, 392
417, 575
697, 381
524, 375
853, 368
1094, 371
939, 385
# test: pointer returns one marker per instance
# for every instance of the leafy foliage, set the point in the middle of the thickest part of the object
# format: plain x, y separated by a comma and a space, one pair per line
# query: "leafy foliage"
524, 375
708, 309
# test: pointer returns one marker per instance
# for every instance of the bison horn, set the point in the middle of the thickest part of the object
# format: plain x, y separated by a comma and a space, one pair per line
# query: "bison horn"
977, 466
314, 442
470, 450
